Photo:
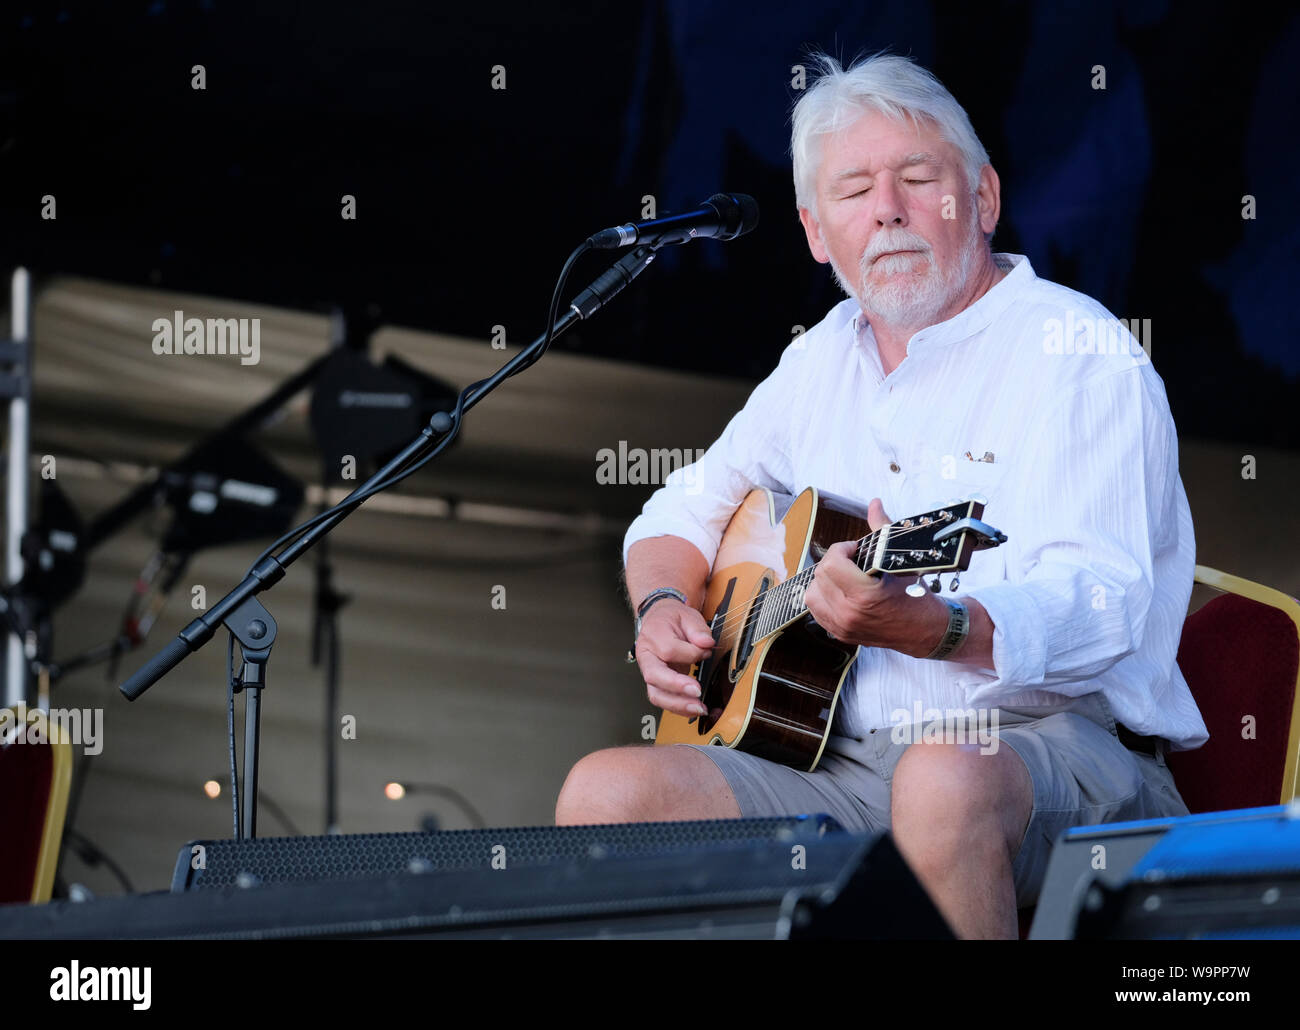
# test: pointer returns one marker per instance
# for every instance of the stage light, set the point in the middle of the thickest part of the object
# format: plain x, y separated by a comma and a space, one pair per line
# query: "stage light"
212, 789
395, 791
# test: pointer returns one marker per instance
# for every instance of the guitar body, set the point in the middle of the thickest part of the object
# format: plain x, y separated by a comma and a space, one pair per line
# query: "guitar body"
775, 695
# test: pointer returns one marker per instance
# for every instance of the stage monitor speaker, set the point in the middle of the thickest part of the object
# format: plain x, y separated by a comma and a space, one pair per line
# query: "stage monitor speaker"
1233, 873
206, 864
801, 885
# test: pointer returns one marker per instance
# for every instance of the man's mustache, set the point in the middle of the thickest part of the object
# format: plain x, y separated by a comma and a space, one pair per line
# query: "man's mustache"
877, 250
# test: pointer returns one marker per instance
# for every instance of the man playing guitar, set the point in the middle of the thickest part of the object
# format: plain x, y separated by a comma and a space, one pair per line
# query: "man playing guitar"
949, 371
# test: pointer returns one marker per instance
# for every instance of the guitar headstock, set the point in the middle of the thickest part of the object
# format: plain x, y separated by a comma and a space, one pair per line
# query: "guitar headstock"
941, 540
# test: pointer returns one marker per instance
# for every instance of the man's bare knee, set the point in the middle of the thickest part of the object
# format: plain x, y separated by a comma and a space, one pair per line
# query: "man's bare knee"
947, 798
598, 788
642, 783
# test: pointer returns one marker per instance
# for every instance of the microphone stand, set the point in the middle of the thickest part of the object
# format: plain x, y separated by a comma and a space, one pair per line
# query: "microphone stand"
244, 615
325, 648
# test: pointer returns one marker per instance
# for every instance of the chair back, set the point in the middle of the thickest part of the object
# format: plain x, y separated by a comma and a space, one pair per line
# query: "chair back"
1240, 655
35, 774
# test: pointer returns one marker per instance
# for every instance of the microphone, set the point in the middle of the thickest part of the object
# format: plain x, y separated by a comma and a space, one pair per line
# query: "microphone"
724, 216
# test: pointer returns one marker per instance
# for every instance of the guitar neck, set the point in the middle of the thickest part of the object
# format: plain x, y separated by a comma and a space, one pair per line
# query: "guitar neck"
938, 541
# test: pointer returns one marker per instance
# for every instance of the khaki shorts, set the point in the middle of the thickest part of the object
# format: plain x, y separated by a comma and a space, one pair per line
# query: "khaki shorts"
1082, 775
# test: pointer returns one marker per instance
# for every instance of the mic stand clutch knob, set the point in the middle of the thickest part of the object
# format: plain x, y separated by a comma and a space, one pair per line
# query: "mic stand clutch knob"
254, 627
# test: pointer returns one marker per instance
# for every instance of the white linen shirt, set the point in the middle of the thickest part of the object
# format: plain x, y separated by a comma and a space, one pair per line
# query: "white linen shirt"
1090, 590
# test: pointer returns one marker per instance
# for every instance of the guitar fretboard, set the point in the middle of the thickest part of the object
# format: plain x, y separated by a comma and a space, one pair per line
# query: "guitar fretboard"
783, 603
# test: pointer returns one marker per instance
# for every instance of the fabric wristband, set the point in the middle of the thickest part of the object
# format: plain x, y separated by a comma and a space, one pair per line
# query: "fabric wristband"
958, 628
656, 595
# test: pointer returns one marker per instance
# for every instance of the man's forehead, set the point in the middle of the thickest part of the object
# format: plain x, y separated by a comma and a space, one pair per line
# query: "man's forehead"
875, 141
853, 169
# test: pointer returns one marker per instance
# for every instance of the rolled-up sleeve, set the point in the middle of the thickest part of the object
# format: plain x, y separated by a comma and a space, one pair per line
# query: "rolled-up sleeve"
755, 449
1100, 504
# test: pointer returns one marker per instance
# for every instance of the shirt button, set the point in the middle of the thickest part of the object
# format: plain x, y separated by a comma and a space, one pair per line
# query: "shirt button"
893, 467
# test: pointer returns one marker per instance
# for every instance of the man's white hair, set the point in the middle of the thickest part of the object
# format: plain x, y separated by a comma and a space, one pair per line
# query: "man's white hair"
891, 85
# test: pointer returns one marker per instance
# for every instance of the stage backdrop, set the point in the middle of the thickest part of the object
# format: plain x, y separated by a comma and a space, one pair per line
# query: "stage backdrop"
1144, 149
426, 168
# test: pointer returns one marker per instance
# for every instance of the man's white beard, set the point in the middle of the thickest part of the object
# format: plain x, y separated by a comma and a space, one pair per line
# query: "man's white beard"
910, 304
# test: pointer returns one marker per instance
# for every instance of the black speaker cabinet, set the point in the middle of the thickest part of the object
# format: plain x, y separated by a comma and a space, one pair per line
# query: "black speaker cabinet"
671, 880
205, 864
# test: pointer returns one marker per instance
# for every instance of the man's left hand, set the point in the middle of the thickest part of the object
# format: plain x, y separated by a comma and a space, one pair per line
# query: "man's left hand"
869, 610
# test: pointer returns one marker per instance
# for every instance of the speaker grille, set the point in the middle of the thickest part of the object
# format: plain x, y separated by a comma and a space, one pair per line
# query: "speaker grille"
368, 855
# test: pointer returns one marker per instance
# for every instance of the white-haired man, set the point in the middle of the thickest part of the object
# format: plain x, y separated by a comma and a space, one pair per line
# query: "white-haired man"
950, 370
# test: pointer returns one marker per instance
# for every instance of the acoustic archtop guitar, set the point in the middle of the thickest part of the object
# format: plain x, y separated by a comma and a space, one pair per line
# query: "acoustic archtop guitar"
772, 682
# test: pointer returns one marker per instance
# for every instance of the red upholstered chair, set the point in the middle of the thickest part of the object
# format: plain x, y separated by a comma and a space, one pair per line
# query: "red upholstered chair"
35, 774
1240, 654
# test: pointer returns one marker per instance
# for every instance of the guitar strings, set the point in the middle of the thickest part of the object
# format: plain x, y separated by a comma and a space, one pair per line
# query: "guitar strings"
864, 548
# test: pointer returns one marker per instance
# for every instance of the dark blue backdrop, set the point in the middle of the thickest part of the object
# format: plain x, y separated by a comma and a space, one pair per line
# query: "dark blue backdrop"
468, 198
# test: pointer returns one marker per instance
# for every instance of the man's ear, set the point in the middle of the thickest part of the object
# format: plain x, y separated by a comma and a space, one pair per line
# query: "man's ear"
988, 199
812, 229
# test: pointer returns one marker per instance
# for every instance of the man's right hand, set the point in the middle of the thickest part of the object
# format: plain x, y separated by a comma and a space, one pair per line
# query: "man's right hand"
673, 637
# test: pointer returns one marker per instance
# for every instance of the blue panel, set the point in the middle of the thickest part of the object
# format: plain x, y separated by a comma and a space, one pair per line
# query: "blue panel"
1238, 848
1165, 822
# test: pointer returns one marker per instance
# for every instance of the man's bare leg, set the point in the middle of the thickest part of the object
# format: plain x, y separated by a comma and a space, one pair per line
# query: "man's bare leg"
644, 783
958, 818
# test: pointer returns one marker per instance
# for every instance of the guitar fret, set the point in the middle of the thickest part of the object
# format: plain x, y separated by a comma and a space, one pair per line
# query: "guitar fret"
782, 603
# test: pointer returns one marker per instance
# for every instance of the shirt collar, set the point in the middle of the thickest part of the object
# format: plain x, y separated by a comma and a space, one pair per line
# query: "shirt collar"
970, 320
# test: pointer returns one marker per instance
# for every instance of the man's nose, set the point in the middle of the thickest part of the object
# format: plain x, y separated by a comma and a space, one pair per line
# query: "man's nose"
890, 209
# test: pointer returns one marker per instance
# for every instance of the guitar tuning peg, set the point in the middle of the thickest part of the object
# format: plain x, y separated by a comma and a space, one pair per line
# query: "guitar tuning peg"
935, 585
956, 581
916, 589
